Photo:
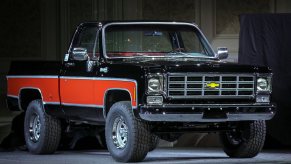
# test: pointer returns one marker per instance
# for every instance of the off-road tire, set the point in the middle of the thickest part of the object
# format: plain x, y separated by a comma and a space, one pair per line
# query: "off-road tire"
50, 130
251, 140
138, 136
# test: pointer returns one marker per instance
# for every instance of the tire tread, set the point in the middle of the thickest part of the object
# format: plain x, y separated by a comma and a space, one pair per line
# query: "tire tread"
52, 130
142, 138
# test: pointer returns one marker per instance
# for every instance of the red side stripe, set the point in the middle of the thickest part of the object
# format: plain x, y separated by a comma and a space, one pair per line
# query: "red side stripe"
75, 91
48, 87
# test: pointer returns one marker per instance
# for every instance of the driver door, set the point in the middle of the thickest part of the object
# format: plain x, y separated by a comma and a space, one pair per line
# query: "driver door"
77, 77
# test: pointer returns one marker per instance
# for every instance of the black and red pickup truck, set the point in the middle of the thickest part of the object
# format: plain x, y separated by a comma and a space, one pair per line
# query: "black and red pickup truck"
141, 82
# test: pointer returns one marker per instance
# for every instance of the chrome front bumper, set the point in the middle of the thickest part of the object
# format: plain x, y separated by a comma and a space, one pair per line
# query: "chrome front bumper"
207, 112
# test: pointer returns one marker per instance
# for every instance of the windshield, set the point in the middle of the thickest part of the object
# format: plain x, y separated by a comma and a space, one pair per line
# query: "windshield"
150, 40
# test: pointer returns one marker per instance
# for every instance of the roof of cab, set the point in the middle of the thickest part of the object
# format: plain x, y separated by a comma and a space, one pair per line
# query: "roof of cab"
103, 23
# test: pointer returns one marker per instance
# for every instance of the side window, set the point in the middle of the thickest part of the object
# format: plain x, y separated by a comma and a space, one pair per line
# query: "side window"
87, 39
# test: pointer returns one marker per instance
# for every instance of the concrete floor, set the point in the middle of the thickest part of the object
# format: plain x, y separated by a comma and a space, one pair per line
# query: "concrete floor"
168, 155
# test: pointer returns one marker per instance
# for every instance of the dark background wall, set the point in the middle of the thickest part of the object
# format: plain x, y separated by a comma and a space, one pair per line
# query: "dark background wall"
41, 29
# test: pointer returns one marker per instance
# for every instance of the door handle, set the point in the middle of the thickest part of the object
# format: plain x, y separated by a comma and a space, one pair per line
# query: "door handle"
69, 64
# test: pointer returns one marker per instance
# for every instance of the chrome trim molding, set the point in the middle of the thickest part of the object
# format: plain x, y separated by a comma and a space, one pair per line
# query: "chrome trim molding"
217, 105
199, 117
32, 76
96, 78
51, 103
12, 96
32, 88
82, 105
193, 85
120, 89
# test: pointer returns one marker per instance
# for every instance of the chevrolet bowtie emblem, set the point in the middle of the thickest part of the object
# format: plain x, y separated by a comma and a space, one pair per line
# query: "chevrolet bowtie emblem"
212, 85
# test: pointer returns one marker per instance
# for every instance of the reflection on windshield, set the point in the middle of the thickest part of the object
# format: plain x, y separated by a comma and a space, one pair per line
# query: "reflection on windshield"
128, 41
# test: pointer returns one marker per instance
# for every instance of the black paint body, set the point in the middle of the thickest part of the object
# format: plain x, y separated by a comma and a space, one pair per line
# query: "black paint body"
138, 71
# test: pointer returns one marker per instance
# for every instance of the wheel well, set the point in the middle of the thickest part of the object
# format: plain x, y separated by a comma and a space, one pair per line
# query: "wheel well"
28, 95
113, 96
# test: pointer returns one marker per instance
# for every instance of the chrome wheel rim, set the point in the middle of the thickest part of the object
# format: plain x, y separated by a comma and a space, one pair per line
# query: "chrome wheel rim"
34, 128
119, 133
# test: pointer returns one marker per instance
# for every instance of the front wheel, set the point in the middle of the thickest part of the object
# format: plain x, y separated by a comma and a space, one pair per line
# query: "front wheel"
42, 132
127, 138
245, 141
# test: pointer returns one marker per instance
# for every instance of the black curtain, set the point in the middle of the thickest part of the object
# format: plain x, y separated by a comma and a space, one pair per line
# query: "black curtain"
265, 39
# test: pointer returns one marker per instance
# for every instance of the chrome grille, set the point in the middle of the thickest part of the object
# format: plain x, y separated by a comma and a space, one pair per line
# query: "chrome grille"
210, 86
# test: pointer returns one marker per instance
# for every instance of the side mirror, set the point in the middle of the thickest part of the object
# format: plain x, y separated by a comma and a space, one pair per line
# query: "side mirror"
80, 54
222, 53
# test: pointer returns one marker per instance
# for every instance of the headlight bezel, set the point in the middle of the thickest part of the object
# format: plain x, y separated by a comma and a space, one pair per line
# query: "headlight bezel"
158, 77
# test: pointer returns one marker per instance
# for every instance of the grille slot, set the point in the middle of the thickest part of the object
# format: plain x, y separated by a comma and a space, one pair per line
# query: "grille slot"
210, 86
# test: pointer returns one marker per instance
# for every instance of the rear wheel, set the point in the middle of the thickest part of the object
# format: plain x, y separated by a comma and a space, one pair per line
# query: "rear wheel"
246, 141
127, 138
42, 132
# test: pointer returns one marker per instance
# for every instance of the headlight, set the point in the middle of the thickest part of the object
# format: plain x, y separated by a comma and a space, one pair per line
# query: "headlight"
263, 84
155, 84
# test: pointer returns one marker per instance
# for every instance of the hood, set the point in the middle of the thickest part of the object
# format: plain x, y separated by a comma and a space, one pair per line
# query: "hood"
196, 66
